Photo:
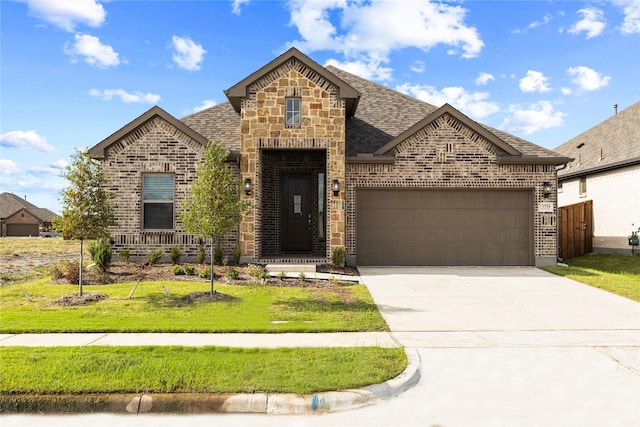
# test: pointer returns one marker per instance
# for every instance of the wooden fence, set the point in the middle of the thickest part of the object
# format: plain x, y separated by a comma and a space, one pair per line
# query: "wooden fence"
575, 229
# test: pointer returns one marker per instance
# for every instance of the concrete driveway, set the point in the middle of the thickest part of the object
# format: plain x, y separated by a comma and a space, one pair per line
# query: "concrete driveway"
513, 346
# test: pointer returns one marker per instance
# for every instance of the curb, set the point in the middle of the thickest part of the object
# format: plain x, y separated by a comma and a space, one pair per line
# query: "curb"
195, 403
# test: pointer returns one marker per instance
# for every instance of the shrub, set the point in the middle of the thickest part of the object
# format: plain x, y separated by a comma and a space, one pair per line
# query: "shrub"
338, 256
236, 255
282, 275
202, 254
101, 254
68, 270
178, 270
205, 273
232, 273
217, 254
255, 271
124, 254
189, 270
176, 253
156, 256
302, 276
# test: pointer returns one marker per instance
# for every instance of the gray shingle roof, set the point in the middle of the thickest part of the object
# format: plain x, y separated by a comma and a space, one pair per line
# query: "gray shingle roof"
10, 204
382, 115
613, 143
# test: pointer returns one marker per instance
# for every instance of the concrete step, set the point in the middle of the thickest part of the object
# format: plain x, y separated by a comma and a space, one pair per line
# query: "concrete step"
295, 268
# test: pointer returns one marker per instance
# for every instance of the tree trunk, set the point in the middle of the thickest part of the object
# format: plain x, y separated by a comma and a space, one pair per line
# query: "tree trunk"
212, 276
80, 267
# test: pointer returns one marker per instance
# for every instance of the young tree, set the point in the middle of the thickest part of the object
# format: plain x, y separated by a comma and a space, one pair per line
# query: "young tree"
86, 213
215, 206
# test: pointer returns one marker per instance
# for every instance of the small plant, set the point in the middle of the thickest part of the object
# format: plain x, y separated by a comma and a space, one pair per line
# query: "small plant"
202, 254
302, 277
236, 255
189, 270
124, 254
68, 270
282, 275
217, 254
338, 256
205, 273
176, 253
156, 256
101, 254
255, 270
232, 273
225, 261
178, 270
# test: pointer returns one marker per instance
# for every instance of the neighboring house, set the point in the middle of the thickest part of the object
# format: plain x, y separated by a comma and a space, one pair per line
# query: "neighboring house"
21, 218
332, 160
602, 183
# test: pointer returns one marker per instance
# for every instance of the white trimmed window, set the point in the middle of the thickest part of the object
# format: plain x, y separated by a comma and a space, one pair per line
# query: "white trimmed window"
157, 201
583, 186
292, 118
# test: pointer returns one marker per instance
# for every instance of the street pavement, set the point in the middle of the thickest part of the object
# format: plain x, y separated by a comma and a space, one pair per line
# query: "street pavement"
498, 346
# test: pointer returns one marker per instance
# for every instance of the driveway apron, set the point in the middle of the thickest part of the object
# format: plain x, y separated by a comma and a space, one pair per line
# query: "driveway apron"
513, 345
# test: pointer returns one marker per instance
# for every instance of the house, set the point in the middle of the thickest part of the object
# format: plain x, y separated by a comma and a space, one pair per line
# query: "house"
600, 189
331, 160
21, 218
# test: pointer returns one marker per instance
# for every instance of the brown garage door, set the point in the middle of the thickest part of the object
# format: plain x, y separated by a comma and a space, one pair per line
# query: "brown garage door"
22, 230
444, 227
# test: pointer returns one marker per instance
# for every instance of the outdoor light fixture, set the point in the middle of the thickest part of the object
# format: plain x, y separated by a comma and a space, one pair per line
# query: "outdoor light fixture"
335, 187
247, 186
546, 189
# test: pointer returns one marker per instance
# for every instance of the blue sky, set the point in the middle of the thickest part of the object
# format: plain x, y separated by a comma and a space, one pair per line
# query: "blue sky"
75, 71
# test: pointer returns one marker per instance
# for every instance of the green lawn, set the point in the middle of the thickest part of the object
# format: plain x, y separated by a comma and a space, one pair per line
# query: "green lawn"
58, 370
614, 273
257, 309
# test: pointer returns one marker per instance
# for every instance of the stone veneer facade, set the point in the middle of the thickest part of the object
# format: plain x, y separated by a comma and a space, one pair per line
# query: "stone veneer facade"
447, 154
262, 127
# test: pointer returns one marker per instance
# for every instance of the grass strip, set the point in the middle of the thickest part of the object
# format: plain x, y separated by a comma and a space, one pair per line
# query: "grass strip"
613, 273
257, 309
172, 369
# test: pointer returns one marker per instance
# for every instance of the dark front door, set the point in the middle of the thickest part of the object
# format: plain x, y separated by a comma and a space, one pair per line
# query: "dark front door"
297, 209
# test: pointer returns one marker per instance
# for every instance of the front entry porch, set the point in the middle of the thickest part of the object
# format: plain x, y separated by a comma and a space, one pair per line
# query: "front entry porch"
292, 220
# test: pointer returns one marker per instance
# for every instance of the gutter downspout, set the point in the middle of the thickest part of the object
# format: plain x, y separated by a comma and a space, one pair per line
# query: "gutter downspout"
558, 259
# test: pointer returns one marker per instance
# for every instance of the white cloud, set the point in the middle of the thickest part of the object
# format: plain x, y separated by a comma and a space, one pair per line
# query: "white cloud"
474, 104
592, 22
535, 24
235, 8
532, 118
54, 168
24, 140
189, 54
484, 78
366, 32
126, 97
8, 168
418, 67
631, 10
534, 81
588, 79
371, 69
566, 90
205, 104
67, 14
94, 52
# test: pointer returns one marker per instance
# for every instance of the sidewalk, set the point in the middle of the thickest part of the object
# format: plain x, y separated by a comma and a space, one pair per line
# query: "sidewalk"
206, 403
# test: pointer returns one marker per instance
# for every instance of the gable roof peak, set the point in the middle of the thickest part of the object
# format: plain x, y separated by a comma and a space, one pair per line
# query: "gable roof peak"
240, 90
98, 149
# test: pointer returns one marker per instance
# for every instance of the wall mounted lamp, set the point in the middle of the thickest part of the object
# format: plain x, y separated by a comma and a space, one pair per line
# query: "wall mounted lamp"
546, 189
247, 186
335, 187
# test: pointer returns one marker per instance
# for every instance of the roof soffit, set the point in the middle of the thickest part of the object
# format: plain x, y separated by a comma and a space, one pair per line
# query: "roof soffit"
448, 109
240, 90
99, 149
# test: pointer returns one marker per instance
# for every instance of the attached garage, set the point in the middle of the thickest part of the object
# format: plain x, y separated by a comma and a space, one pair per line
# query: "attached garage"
444, 227
22, 230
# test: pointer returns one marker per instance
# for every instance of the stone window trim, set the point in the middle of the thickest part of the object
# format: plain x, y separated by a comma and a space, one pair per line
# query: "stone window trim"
158, 195
293, 111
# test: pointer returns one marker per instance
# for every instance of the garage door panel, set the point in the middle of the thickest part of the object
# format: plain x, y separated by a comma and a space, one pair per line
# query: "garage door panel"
444, 227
